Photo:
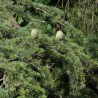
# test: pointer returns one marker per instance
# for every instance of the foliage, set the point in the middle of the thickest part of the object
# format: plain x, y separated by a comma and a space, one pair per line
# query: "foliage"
3, 93
83, 15
45, 67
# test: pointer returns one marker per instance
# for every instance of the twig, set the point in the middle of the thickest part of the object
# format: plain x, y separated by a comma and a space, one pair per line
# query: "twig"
38, 20
1, 79
4, 81
51, 65
57, 3
43, 11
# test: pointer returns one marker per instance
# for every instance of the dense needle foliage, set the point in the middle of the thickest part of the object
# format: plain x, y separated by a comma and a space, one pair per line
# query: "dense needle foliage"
45, 67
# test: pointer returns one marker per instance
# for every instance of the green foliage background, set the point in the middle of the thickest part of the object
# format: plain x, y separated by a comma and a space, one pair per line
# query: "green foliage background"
45, 67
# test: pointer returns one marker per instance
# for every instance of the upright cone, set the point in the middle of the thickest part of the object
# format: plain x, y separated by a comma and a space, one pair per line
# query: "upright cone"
34, 33
59, 35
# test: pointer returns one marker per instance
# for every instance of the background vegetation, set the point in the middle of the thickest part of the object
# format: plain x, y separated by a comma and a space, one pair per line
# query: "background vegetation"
45, 67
